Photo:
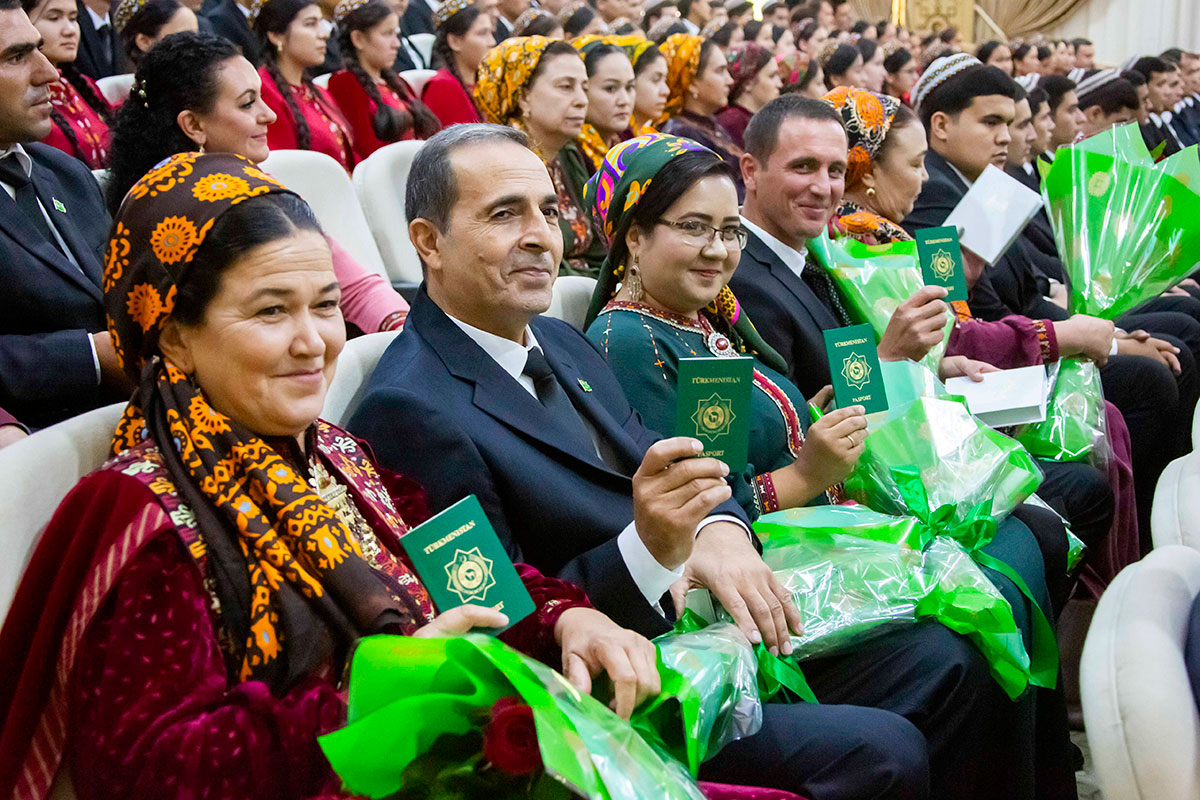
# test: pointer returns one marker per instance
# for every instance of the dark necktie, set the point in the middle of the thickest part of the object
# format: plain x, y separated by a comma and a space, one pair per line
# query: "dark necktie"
556, 402
106, 50
14, 175
822, 286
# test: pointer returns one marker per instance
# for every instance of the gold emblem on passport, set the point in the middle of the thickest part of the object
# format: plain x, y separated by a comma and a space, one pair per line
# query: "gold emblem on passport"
856, 370
713, 416
470, 575
943, 264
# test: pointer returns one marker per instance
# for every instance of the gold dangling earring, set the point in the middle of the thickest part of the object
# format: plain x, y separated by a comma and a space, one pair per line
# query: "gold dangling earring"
633, 278
870, 191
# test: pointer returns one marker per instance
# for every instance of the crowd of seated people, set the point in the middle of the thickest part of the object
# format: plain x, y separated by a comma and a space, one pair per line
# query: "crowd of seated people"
175, 635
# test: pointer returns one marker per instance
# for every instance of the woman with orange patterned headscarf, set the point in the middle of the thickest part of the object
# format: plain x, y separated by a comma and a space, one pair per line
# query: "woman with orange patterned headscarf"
184, 625
699, 80
539, 86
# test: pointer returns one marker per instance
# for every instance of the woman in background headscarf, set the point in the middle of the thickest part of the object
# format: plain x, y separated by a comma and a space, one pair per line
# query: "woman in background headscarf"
538, 85
611, 94
651, 91
756, 82
699, 80
885, 170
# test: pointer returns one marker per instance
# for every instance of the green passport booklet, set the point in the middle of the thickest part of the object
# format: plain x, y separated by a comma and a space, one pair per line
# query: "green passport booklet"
713, 405
942, 261
459, 558
854, 366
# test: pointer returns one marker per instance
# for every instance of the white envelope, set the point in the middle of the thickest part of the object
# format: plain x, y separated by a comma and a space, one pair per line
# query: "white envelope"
1007, 397
993, 213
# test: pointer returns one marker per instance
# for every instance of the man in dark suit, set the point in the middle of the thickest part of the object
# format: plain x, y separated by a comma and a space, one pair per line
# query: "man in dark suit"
1152, 380
56, 358
230, 18
1165, 88
417, 18
482, 396
99, 43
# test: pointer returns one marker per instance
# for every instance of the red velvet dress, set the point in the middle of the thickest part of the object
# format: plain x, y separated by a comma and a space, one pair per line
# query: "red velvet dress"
360, 110
91, 137
448, 100
329, 131
112, 655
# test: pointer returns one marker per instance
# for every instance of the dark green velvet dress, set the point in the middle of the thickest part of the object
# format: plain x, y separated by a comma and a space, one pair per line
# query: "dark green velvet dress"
643, 347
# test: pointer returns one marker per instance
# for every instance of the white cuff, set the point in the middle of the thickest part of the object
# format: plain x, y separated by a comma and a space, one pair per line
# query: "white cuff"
1116, 345
721, 518
95, 360
651, 577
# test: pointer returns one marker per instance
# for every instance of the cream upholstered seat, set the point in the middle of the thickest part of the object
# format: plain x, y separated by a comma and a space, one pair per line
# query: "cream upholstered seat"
1175, 515
35, 475
115, 88
1142, 724
572, 294
327, 189
355, 365
380, 182
417, 78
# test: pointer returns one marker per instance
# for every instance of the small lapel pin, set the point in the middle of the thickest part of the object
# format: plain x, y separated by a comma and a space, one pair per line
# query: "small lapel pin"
58, 206
587, 387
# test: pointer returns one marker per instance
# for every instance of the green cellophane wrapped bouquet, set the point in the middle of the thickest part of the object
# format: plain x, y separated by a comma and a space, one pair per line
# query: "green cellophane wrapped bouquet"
1126, 228
1074, 428
856, 573
873, 280
418, 722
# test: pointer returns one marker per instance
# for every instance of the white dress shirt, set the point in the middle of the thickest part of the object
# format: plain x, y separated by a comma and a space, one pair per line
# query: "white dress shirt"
791, 257
651, 577
98, 21
18, 152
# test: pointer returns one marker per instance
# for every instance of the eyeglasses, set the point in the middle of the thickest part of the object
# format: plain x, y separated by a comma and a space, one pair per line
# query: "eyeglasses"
702, 235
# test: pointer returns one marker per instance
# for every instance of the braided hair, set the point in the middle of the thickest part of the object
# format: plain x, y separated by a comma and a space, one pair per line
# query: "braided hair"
179, 73
389, 123
275, 16
457, 25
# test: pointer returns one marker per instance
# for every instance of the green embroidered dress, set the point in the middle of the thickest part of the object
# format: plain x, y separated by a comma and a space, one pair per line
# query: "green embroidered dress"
643, 346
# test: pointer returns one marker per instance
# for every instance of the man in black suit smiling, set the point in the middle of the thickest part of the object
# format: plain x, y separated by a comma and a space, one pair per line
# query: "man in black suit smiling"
56, 358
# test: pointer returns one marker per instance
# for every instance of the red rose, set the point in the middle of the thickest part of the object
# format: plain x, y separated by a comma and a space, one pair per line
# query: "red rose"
510, 738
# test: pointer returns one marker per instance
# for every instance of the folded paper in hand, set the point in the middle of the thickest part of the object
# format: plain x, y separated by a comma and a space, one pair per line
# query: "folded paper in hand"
993, 213
1007, 397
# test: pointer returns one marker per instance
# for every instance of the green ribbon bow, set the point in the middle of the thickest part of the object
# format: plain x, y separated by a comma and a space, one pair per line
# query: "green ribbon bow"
975, 531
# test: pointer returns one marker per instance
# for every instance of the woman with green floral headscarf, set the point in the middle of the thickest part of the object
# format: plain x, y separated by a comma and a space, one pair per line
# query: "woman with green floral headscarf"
539, 86
668, 207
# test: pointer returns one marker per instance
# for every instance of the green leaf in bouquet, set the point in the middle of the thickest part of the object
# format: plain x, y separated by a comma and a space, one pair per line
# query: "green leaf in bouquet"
873, 280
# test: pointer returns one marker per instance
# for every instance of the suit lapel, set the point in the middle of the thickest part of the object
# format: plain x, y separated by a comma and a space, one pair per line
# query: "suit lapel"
14, 223
573, 381
50, 192
496, 392
758, 250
